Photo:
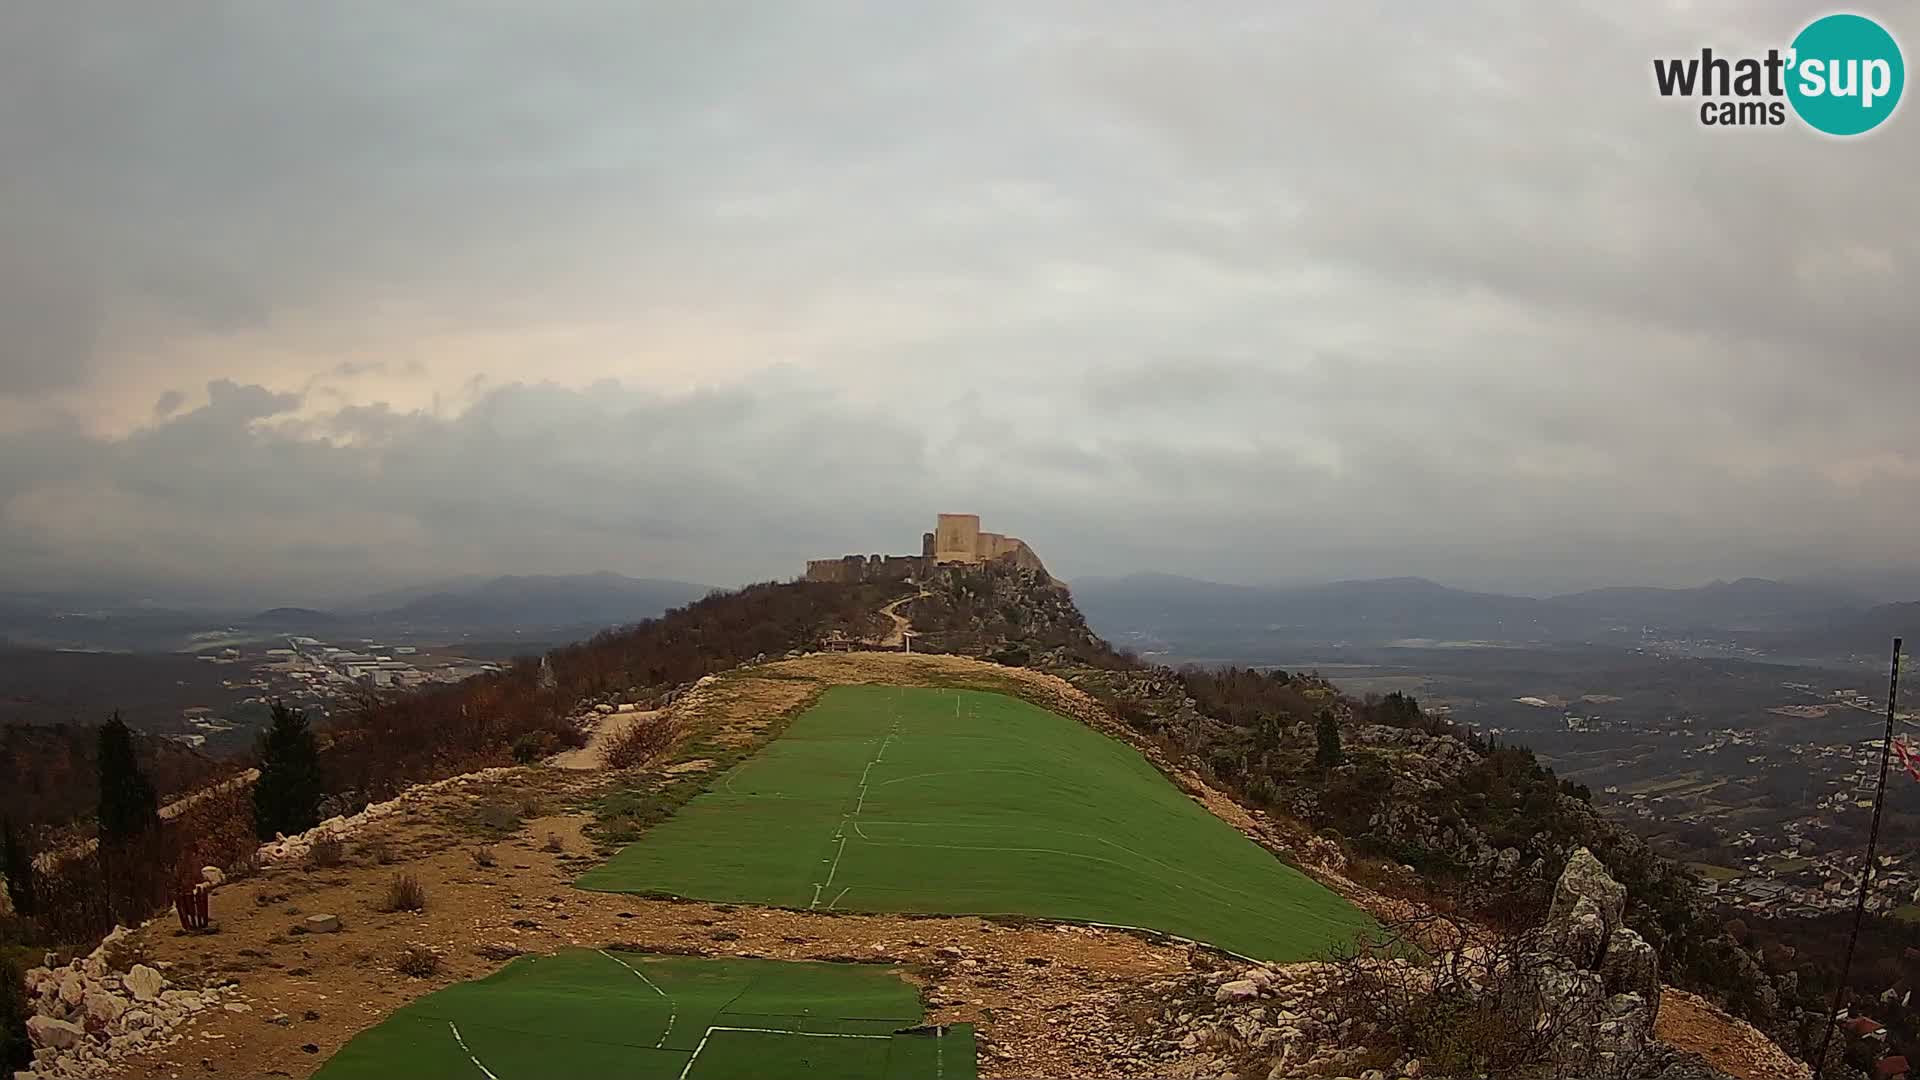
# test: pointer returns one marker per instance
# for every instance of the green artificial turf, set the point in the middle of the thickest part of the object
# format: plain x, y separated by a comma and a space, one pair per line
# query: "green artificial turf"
963, 802
633, 1016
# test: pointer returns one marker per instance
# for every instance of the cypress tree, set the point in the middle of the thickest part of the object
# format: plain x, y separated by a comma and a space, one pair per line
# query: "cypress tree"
128, 805
286, 798
18, 868
1327, 732
16, 1048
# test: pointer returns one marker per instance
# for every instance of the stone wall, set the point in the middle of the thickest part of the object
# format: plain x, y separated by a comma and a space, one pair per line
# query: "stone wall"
855, 569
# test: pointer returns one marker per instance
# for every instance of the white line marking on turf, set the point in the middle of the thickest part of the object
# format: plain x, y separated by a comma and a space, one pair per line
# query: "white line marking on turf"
840, 831
837, 899
673, 1007
767, 1031
484, 1071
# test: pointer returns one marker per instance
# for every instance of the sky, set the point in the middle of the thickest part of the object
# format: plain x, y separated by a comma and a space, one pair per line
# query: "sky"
305, 300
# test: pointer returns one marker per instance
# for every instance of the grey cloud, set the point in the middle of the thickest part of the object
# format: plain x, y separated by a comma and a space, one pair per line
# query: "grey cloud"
1262, 291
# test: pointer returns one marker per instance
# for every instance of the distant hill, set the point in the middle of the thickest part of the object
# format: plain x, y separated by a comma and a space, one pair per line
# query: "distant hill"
1746, 604
1198, 618
296, 617
533, 601
1379, 610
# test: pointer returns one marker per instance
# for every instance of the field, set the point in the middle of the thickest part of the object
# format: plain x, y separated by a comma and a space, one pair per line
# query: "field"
893, 799
588, 1013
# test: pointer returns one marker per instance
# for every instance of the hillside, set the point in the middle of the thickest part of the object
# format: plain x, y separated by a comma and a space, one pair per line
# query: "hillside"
1478, 827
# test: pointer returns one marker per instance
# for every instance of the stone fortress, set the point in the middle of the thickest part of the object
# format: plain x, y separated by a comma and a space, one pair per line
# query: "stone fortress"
956, 539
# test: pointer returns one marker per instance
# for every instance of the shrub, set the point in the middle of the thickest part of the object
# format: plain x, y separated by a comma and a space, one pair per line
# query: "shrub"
18, 866
1463, 999
379, 851
641, 742
553, 843
532, 746
404, 893
129, 807
16, 1049
286, 798
327, 852
496, 817
483, 858
418, 961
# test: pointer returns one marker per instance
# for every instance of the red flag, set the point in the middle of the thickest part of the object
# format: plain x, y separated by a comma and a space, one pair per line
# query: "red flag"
1908, 758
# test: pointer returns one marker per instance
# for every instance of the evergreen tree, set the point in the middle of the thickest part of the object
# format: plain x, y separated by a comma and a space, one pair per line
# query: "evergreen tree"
18, 866
1327, 730
16, 1048
128, 805
286, 798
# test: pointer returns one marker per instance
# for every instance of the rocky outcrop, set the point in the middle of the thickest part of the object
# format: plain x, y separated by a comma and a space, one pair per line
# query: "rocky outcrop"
88, 1014
1598, 983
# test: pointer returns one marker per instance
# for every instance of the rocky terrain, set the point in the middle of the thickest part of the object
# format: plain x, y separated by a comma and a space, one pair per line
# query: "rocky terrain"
310, 948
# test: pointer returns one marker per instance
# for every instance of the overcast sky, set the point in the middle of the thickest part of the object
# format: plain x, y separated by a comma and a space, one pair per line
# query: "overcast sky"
315, 298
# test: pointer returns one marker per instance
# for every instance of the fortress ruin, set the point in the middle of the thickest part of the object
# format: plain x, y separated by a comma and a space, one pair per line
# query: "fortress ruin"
956, 539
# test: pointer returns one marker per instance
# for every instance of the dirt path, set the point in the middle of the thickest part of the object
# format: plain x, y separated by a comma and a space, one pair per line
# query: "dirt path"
897, 636
593, 755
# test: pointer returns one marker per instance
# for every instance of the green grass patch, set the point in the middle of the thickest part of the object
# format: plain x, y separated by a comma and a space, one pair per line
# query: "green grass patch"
1907, 913
635, 1016
942, 801
1716, 872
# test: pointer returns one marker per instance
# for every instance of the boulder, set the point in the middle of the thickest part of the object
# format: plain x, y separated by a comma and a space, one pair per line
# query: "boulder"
1585, 877
1631, 966
73, 989
143, 982
103, 1006
1237, 990
213, 876
53, 1034
322, 924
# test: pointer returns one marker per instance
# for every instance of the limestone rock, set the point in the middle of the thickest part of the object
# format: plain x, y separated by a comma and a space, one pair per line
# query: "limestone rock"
104, 1007
143, 982
213, 876
54, 1034
322, 924
1586, 877
1237, 990
1632, 966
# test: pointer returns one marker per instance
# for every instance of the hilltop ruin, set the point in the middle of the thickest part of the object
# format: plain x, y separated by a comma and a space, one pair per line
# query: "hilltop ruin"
956, 539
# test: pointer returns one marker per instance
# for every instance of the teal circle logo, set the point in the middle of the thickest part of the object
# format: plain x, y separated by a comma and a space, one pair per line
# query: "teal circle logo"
1846, 74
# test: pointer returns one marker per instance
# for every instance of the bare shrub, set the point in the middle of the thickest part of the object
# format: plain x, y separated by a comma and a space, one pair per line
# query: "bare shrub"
328, 851
497, 817
379, 851
553, 843
641, 742
1463, 999
497, 953
404, 893
483, 858
418, 961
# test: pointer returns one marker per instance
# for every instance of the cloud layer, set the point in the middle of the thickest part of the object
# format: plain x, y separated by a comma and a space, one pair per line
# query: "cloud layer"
304, 299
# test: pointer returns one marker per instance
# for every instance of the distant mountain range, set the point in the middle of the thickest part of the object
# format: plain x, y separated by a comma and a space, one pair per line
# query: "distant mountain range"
529, 609
1198, 617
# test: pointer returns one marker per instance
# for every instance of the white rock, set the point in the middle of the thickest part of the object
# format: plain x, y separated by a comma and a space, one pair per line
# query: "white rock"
322, 924
213, 876
103, 1006
54, 1034
136, 1019
143, 982
73, 989
1236, 990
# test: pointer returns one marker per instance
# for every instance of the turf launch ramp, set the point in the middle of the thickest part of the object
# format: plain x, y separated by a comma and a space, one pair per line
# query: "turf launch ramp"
632, 1016
942, 801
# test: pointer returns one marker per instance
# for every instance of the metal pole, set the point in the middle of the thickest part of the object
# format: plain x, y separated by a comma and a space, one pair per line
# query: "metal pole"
1866, 876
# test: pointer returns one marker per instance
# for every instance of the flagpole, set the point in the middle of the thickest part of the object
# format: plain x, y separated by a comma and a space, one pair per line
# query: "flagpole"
1866, 876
